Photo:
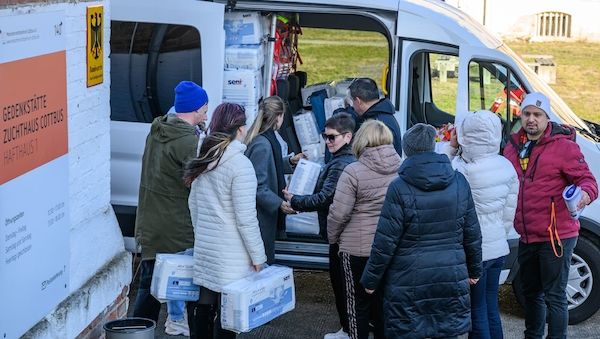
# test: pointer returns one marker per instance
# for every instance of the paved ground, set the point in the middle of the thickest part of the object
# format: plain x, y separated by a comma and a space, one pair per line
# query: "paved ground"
315, 314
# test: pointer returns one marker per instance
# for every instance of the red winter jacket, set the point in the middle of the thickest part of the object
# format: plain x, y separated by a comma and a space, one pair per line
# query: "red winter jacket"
555, 162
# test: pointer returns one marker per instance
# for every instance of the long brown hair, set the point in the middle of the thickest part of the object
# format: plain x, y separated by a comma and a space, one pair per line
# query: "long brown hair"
268, 112
226, 120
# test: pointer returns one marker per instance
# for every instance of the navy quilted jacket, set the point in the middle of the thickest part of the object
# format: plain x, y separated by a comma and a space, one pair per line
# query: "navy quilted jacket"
427, 245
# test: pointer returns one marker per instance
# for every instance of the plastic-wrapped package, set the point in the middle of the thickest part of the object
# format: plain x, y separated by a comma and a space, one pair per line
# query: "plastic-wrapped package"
244, 56
308, 91
172, 278
243, 28
302, 223
331, 104
257, 299
341, 87
305, 125
251, 112
242, 86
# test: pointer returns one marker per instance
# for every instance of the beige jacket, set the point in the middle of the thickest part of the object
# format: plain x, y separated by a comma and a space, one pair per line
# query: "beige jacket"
358, 199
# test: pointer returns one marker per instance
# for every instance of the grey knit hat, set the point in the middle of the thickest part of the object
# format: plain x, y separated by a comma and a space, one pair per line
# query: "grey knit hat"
418, 139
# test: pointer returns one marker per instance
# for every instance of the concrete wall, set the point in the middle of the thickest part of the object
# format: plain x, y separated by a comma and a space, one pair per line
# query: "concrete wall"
100, 269
517, 19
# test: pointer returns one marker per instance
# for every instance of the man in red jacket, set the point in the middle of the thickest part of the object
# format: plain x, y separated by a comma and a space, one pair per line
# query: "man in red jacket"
546, 159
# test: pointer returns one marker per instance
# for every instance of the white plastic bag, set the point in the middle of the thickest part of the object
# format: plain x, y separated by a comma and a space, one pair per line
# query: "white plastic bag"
302, 223
305, 125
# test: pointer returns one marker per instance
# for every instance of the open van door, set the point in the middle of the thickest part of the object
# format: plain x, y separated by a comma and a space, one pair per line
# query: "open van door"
489, 79
154, 45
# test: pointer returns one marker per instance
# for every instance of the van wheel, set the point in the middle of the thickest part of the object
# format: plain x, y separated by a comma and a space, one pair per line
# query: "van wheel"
583, 287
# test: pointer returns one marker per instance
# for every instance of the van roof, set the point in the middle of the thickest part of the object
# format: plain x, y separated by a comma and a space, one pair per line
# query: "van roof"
448, 23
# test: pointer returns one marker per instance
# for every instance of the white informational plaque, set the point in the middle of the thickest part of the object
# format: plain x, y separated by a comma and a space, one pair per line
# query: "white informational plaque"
304, 178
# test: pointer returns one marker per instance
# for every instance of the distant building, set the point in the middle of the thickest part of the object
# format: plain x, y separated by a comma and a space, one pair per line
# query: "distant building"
536, 20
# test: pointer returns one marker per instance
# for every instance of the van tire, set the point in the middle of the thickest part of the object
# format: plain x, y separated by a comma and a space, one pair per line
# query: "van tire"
587, 256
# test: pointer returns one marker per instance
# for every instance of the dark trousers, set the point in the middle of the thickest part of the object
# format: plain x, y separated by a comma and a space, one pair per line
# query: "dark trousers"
146, 306
485, 316
337, 283
544, 280
204, 317
361, 306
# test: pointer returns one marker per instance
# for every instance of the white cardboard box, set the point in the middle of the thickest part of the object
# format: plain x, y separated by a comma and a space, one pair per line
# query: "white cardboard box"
257, 299
172, 278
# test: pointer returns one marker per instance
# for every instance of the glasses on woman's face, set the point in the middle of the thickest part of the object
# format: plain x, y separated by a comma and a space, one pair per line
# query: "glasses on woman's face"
330, 137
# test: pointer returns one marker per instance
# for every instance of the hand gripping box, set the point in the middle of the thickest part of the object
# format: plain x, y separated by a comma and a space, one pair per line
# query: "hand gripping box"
172, 278
257, 299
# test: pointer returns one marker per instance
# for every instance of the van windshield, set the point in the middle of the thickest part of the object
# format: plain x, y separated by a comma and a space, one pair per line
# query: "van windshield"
559, 107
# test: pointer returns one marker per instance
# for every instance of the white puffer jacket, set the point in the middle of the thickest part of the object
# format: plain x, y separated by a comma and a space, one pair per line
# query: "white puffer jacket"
492, 177
223, 210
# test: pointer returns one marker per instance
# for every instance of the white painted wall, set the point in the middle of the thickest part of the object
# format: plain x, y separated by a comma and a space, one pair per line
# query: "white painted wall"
99, 267
516, 18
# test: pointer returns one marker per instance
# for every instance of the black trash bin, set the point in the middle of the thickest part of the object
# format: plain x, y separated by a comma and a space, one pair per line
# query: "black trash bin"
130, 328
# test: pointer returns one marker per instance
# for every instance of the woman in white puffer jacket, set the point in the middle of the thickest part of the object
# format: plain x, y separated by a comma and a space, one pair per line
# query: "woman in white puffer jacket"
495, 187
228, 245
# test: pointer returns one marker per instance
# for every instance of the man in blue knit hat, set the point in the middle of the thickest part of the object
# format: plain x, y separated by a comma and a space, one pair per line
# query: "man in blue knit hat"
163, 223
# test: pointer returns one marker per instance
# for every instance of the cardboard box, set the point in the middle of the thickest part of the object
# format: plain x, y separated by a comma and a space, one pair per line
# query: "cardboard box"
172, 278
257, 299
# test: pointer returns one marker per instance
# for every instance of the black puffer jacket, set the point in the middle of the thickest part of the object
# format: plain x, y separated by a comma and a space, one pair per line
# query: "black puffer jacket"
384, 110
325, 189
427, 245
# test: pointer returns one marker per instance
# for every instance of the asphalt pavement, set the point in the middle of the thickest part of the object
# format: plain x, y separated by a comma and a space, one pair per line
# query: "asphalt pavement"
315, 314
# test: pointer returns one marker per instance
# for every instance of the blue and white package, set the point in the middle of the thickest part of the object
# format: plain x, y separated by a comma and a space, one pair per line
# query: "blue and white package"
172, 278
257, 299
572, 195
243, 28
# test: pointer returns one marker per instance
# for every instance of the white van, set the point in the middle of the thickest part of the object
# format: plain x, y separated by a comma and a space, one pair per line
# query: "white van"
155, 44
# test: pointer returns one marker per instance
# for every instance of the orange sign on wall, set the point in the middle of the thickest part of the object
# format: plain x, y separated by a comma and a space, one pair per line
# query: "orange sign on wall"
33, 124
95, 47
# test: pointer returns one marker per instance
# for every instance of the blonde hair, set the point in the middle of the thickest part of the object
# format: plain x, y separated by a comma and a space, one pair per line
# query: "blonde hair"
371, 133
266, 118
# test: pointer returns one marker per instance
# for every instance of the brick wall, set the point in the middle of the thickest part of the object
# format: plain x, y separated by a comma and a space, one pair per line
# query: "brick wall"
114, 311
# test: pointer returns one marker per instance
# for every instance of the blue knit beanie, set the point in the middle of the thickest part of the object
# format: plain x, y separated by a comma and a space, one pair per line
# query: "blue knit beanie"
189, 97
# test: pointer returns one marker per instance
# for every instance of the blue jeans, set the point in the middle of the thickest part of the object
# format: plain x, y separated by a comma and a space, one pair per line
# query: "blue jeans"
175, 308
544, 279
485, 317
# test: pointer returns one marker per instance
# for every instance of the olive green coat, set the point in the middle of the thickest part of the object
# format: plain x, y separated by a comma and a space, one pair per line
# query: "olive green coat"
163, 223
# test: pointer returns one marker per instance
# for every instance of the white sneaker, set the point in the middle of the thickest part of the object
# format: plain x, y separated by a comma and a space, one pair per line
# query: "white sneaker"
337, 335
177, 327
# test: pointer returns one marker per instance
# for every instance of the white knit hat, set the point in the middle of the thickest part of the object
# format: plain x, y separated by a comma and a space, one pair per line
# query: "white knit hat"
538, 100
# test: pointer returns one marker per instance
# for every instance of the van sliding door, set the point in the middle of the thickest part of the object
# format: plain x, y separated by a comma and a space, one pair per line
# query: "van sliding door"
155, 44
428, 83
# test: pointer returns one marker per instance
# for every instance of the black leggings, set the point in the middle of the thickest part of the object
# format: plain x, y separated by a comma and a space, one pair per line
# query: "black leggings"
204, 317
